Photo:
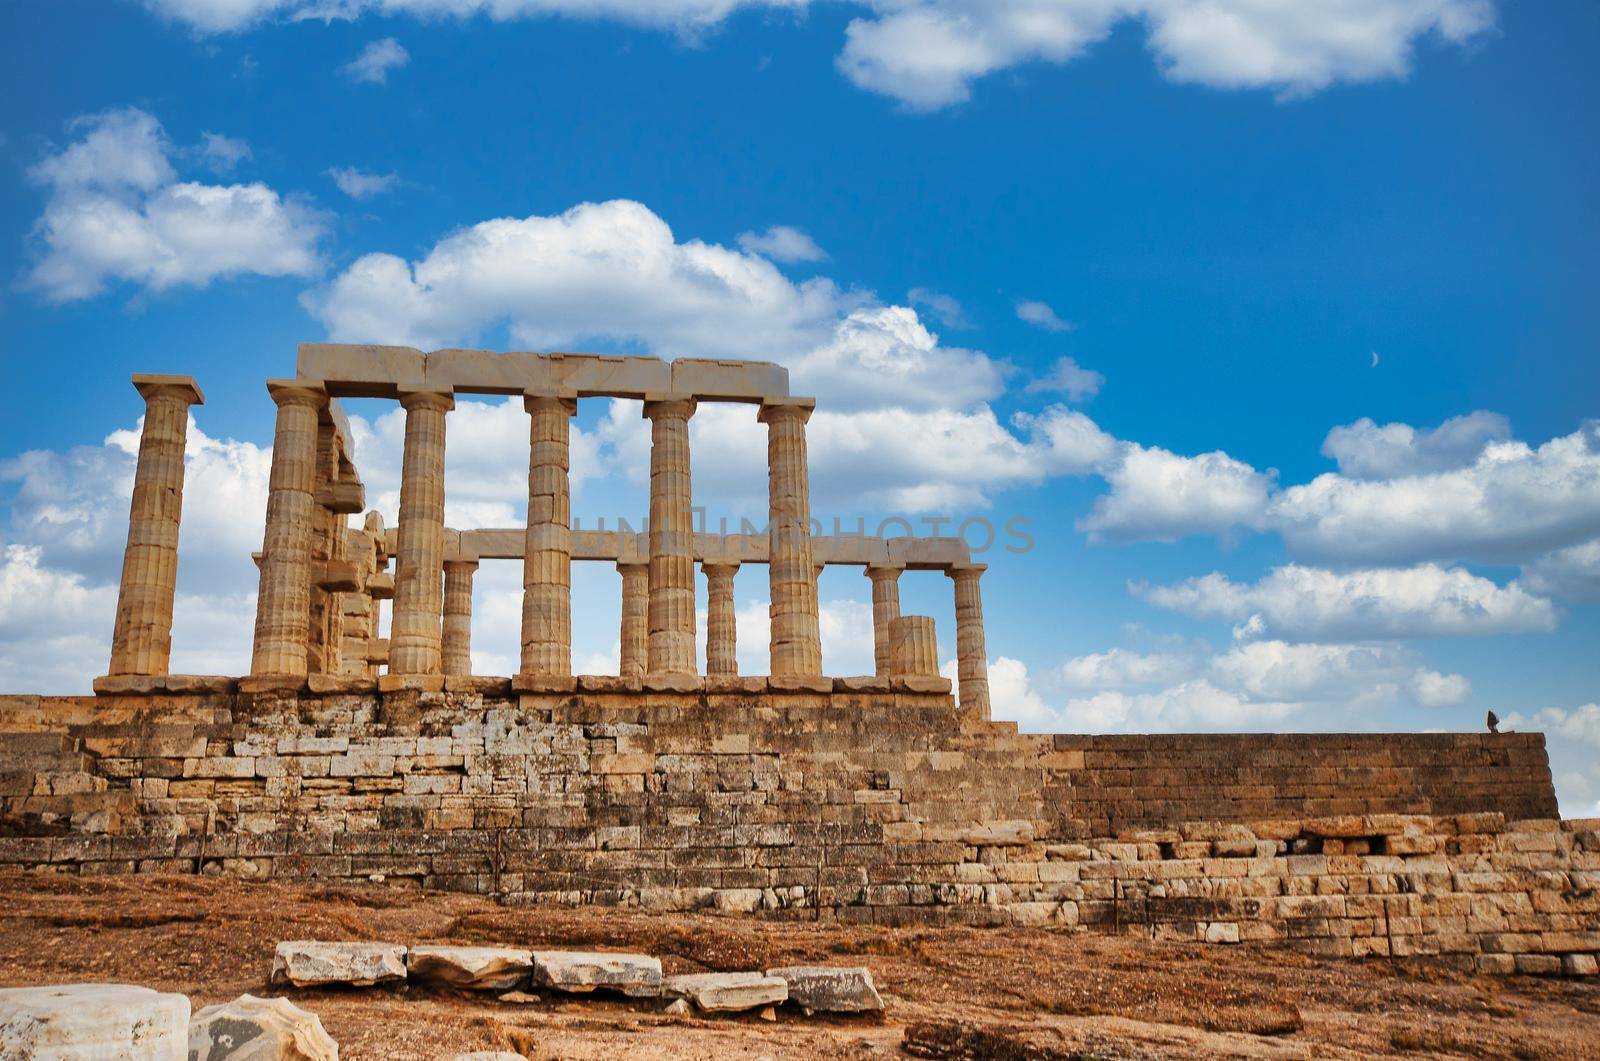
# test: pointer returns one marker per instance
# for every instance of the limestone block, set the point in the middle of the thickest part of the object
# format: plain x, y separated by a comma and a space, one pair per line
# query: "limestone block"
1580, 965
81, 1022
831, 989
259, 1029
489, 1055
314, 963
583, 971
473, 968
727, 992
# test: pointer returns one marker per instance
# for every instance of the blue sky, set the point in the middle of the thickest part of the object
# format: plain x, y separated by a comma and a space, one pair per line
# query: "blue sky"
1321, 458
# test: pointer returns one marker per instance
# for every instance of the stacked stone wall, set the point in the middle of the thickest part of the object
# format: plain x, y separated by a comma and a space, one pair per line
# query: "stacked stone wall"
872, 803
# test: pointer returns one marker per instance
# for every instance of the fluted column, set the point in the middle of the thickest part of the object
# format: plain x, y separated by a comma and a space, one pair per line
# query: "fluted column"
283, 603
141, 639
547, 559
635, 618
456, 651
915, 647
671, 645
796, 643
972, 661
885, 610
415, 634
721, 627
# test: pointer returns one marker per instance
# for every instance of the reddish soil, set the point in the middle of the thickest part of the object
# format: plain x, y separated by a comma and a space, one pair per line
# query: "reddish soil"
951, 992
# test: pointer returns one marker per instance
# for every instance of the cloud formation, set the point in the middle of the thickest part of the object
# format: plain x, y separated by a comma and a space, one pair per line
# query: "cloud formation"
376, 61
358, 185
783, 243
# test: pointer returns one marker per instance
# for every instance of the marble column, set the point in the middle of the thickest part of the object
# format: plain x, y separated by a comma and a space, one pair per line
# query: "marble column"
547, 558
415, 633
972, 661
671, 609
885, 610
635, 618
796, 643
141, 640
456, 648
721, 628
283, 603
915, 647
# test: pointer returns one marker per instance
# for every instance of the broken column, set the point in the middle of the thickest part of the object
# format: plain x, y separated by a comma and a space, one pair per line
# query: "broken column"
456, 646
283, 603
796, 643
721, 627
671, 610
141, 641
885, 610
415, 633
547, 558
915, 647
635, 618
972, 663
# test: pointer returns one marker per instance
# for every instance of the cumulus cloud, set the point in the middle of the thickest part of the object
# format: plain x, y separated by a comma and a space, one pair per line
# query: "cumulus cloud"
1068, 377
1311, 603
883, 355
359, 185
1121, 668
783, 243
376, 61
116, 211
946, 309
1364, 450
1157, 495
1041, 315
1572, 573
927, 53
222, 153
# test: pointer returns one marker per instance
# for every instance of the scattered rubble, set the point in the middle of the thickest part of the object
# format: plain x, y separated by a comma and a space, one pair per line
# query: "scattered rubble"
827, 989
638, 975
259, 1029
309, 963
85, 1021
726, 992
470, 968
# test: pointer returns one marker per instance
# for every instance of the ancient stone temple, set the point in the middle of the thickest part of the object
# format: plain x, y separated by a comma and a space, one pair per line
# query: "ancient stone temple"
679, 783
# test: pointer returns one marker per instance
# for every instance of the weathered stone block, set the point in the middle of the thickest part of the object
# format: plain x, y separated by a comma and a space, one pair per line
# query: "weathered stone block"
83, 1021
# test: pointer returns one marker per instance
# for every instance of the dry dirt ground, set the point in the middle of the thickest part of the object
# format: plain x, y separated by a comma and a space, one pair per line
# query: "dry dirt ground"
951, 992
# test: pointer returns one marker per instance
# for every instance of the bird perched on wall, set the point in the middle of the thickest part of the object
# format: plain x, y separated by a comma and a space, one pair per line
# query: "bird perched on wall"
1494, 722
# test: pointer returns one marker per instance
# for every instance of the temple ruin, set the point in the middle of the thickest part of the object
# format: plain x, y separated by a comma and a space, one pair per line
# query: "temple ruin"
680, 784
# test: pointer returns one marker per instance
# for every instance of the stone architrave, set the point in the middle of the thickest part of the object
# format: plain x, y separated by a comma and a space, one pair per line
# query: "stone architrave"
885, 610
635, 632
796, 642
547, 558
283, 603
416, 632
671, 609
456, 647
721, 627
141, 642
972, 663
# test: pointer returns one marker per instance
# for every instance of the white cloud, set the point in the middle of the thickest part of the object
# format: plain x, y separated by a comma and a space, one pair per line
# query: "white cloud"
1311, 603
1580, 724
927, 53
1121, 668
783, 243
1161, 496
117, 212
376, 61
1068, 377
1572, 573
222, 153
946, 309
1349, 674
883, 356
1366, 451
1572, 739
1042, 316
359, 185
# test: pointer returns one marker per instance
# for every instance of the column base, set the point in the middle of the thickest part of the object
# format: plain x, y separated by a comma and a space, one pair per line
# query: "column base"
133, 684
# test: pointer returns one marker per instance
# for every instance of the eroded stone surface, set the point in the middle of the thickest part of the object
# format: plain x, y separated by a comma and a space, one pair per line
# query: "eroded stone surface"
727, 992
259, 1029
80, 1022
565, 970
313, 963
830, 989
472, 968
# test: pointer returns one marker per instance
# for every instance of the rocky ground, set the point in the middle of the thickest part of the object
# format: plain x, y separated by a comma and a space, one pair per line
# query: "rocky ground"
954, 993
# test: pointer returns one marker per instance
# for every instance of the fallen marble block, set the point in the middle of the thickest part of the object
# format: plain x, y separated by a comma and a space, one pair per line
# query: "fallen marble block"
86, 1022
470, 968
312, 963
259, 1029
489, 1055
830, 989
726, 992
570, 970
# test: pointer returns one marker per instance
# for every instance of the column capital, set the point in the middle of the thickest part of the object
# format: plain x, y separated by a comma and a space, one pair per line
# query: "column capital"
773, 409
461, 565
626, 566
441, 398
537, 400
669, 405
309, 392
720, 567
888, 569
150, 384
960, 571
